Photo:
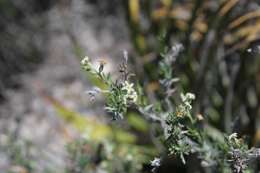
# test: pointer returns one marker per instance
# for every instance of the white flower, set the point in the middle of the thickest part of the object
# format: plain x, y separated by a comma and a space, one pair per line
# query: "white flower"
187, 97
127, 86
190, 96
156, 162
131, 94
85, 61
232, 136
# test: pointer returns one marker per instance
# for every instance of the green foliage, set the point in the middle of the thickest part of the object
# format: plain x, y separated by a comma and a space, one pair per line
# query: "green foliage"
212, 66
108, 156
19, 153
219, 38
182, 133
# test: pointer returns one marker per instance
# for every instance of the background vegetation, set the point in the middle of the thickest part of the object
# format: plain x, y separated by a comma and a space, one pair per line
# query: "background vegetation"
206, 47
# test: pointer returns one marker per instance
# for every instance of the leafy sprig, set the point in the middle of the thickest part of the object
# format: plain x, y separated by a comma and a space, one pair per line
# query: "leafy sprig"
120, 93
184, 134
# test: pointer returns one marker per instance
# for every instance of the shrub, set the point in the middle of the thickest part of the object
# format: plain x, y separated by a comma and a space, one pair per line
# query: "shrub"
182, 133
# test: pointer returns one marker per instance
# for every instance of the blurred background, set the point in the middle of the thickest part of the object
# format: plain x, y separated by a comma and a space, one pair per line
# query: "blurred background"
43, 105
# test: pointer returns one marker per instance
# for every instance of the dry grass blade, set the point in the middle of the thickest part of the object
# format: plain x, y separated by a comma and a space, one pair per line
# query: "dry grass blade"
244, 18
227, 7
248, 32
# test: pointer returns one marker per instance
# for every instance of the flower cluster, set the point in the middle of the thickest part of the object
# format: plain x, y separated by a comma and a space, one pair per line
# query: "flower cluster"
86, 64
131, 94
186, 99
155, 163
120, 94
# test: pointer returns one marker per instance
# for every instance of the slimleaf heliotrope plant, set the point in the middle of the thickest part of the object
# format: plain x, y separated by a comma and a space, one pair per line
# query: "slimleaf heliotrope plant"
184, 134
